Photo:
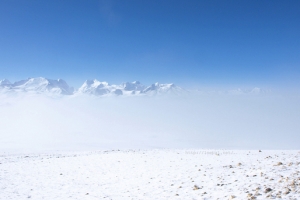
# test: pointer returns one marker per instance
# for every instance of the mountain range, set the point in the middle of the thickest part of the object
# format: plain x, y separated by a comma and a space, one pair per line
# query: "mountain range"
41, 85
90, 87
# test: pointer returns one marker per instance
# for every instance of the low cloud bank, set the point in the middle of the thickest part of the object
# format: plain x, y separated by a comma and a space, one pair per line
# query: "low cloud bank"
38, 123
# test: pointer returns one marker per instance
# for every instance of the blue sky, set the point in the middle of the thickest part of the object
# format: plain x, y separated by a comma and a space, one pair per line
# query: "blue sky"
191, 43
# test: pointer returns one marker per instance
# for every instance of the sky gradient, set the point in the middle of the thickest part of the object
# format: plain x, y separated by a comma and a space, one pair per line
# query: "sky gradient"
191, 43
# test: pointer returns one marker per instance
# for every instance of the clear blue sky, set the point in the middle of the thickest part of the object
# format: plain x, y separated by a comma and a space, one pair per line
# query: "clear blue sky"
191, 43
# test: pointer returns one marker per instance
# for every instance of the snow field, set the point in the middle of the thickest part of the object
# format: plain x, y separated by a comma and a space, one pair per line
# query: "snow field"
151, 174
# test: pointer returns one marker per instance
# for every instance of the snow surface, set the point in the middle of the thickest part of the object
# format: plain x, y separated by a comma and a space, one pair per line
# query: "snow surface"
151, 174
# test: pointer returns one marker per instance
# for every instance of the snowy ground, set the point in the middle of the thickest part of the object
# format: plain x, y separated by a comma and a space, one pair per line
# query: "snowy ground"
151, 174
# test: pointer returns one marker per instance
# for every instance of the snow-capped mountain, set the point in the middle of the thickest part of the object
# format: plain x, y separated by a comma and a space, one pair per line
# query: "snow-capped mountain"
4, 83
38, 85
95, 87
157, 88
133, 86
254, 91
233, 92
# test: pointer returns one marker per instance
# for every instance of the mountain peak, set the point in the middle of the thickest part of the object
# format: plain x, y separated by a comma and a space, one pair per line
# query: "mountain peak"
94, 87
4, 82
158, 88
133, 86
